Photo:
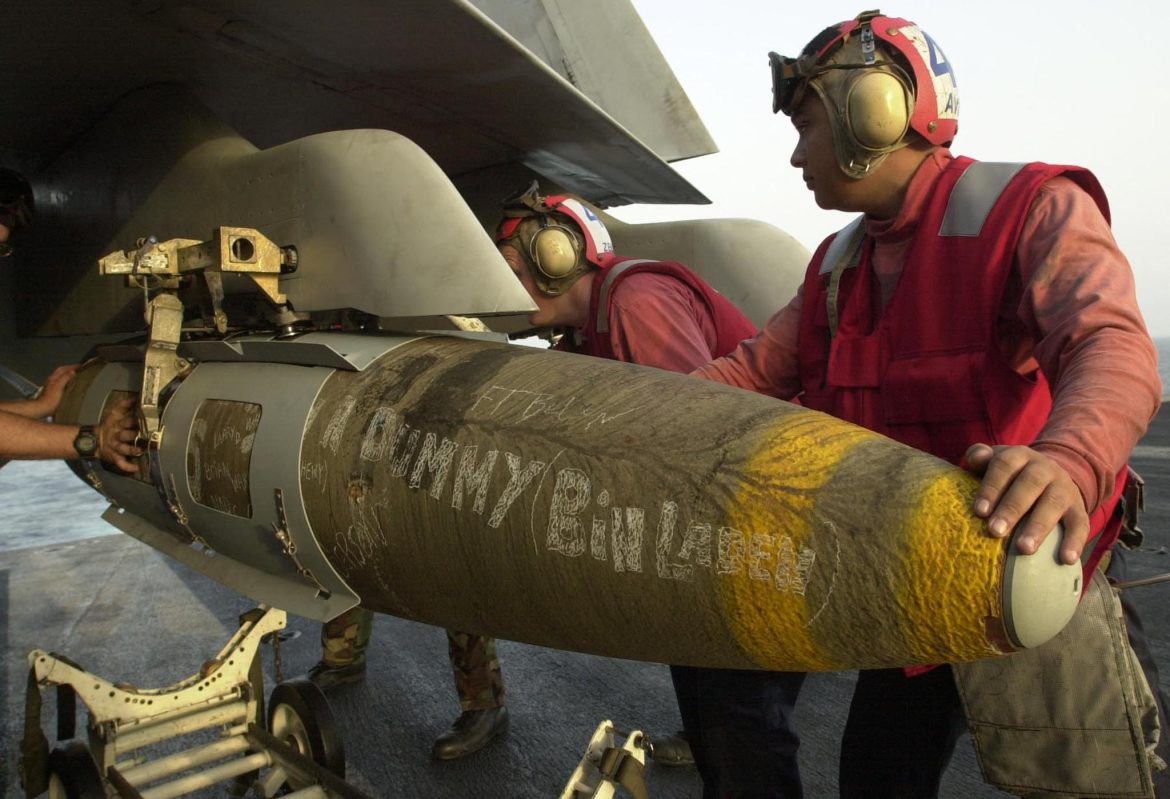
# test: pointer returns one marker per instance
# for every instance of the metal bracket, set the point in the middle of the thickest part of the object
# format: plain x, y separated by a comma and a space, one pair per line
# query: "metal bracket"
165, 268
162, 364
171, 499
127, 707
92, 477
204, 731
606, 766
215, 290
230, 250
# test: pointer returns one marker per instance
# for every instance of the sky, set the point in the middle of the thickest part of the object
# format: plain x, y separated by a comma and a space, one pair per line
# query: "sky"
1067, 83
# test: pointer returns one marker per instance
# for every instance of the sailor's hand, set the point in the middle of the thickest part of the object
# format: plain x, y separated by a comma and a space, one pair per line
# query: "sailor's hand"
117, 434
45, 403
1020, 483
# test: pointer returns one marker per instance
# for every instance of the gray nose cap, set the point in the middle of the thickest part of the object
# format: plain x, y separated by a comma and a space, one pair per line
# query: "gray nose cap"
1040, 593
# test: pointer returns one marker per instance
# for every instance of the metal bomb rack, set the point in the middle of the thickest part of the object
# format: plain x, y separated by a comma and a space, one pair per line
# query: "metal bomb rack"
208, 729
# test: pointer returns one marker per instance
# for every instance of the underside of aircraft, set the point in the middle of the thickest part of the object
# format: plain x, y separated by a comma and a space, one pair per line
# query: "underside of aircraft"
169, 119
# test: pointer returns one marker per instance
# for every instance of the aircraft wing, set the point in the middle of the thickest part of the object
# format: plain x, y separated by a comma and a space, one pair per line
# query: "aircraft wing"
630, 80
441, 73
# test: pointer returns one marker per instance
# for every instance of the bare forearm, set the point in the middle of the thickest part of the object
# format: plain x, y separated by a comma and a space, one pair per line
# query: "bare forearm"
28, 439
29, 409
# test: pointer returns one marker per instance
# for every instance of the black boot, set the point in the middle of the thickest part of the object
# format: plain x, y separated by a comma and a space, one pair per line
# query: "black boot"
472, 731
672, 750
326, 675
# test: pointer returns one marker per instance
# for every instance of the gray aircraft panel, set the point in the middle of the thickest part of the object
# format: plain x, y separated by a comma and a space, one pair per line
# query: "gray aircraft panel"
631, 80
440, 73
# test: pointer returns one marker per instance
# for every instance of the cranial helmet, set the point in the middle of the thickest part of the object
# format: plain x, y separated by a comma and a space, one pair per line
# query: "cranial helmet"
560, 237
878, 78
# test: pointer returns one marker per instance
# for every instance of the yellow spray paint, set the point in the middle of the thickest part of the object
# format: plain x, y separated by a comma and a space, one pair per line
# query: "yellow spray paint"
924, 544
963, 558
801, 451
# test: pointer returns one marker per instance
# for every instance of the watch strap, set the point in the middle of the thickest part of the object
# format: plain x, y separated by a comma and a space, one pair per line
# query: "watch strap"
86, 442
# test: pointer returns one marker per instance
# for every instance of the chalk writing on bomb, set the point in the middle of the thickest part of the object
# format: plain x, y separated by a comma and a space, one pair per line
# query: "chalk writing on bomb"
584, 520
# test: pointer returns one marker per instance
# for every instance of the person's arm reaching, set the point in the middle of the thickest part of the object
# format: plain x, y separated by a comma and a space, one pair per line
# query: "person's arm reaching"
1079, 305
767, 363
46, 402
22, 438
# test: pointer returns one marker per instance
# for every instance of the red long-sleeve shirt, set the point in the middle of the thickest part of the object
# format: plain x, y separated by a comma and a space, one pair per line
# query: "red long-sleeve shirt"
1070, 310
657, 320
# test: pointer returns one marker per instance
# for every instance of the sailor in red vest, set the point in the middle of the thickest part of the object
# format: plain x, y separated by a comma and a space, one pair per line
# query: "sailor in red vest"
638, 310
984, 313
654, 313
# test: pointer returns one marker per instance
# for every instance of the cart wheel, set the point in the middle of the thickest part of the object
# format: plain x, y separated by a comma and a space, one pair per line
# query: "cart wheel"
299, 715
73, 774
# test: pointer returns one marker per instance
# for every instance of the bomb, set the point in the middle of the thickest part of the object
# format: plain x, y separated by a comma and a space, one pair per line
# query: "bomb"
569, 502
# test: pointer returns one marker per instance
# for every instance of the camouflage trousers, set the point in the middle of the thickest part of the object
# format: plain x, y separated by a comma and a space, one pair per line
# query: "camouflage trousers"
478, 680
474, 663
344, 639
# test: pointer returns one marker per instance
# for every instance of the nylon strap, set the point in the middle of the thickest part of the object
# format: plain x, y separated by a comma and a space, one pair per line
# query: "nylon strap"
607, 286
845, 256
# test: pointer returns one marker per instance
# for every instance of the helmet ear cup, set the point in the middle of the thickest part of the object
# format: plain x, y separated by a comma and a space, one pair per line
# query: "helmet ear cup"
878, 108
555, 251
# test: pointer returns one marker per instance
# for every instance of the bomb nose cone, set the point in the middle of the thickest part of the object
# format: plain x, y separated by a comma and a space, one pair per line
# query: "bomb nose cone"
1040, 592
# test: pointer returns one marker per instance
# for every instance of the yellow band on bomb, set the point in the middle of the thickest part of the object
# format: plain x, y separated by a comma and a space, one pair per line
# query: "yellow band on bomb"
773, 626
960, 569
913, 554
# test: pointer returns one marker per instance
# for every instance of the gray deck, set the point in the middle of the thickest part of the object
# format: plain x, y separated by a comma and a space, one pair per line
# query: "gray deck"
125, 612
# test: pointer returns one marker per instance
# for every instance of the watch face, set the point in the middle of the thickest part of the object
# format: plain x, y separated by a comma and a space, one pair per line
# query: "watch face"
86, 444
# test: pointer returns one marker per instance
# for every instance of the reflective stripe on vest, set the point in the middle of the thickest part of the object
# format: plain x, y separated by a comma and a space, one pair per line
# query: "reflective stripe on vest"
607, 284
838, 251
971, 201
974, 195
844, 253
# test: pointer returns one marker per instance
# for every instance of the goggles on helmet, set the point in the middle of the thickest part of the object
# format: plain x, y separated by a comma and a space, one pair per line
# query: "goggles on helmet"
935, 115
790, 78
529, 203
557, 253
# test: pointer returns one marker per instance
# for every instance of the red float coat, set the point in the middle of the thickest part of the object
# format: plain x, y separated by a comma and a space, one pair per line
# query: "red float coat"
1057, 307
657, 313
928, 371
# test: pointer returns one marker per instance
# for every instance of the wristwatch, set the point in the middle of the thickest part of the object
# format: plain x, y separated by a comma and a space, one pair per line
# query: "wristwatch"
86, 442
